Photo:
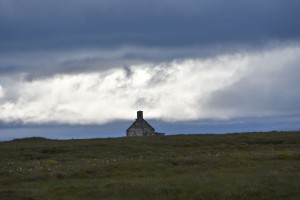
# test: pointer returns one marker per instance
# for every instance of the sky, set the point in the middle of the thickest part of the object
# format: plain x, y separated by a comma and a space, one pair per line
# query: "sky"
82, 68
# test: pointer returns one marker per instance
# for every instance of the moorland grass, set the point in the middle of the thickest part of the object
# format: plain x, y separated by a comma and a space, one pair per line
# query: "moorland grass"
229, 166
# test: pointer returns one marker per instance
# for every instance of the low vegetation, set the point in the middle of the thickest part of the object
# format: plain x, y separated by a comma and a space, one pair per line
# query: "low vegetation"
230, 166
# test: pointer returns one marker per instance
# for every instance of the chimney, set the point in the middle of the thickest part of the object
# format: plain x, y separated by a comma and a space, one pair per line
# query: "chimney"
139, 114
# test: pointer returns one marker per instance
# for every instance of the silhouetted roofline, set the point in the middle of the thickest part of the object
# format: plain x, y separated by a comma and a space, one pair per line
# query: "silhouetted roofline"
131, 126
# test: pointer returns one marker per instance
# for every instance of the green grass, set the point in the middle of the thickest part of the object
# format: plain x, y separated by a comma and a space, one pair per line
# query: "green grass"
231, 166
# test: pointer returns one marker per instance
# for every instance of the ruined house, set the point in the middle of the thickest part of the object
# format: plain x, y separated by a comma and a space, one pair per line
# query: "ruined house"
141, 127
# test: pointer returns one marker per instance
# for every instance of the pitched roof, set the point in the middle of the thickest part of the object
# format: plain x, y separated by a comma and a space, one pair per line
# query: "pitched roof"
138, 123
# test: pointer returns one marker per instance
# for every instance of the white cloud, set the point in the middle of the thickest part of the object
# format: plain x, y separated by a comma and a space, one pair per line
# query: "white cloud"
221, 87
269, 87
1, 92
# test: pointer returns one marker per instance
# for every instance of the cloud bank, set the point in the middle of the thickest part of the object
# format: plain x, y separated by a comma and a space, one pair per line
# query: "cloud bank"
223, 87
45, 38
34, 25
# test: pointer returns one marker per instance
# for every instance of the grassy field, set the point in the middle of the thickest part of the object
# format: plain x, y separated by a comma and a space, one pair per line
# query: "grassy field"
231, 166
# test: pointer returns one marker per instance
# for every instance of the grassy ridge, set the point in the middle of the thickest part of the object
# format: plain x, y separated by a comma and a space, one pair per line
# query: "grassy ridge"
232, 166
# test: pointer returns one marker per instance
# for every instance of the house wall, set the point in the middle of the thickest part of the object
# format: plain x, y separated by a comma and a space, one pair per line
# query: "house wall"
136, 131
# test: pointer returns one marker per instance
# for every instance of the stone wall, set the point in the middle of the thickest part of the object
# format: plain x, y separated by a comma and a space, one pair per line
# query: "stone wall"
137, 131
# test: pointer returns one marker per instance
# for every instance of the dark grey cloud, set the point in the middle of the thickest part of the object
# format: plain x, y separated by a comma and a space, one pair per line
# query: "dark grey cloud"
44, 25
42, 38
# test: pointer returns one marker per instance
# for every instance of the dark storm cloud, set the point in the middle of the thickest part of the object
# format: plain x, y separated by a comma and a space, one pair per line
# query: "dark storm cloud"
46, 25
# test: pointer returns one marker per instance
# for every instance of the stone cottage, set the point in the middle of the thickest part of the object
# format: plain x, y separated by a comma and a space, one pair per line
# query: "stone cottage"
141, 127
